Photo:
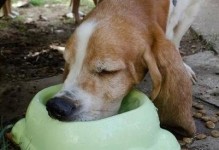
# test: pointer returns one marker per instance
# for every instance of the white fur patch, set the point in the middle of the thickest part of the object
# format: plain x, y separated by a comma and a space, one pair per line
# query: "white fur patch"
175, 14
83, 34
70, 88
180, 19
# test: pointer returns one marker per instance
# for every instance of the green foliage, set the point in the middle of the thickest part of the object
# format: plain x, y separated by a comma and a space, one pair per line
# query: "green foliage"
37, 2
4, 144
87, 5
3, 24
42, 2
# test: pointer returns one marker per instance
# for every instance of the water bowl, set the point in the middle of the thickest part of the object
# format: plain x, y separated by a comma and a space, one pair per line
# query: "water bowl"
136, 127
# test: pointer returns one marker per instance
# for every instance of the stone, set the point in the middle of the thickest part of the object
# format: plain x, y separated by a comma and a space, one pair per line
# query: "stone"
201, 136
187, 140
214, 119
210, 125
205, 118
202, 111
215, 133
199, 106
197, 115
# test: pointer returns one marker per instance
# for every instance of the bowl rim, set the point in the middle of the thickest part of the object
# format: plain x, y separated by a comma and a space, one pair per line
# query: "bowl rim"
42, 97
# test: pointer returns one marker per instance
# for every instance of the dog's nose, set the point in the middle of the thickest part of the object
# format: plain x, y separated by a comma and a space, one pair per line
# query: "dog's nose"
60, 108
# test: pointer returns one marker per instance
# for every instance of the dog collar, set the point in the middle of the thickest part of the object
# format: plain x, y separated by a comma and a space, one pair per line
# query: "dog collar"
174, 2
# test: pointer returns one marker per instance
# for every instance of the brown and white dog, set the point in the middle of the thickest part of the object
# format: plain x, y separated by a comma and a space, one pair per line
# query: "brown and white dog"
112, 50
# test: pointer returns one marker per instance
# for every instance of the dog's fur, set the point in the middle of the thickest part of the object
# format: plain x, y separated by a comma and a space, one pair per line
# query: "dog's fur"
179, 21
112, 50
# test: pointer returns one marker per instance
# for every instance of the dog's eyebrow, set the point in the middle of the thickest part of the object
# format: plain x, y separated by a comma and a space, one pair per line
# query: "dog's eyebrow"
109, 65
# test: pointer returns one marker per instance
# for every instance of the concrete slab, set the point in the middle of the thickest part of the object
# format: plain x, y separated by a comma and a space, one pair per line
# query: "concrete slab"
209, 143
207, 23
206, 66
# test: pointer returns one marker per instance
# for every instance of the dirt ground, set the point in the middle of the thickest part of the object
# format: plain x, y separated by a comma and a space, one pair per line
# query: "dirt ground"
25, 53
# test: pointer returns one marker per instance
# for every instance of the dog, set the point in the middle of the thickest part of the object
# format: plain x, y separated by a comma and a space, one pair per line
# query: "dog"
180, 19
111, 51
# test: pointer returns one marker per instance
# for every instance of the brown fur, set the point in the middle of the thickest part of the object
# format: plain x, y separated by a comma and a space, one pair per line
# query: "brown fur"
174, 101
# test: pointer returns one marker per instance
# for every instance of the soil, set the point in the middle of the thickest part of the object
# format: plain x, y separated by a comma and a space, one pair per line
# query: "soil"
25, 47
25, 53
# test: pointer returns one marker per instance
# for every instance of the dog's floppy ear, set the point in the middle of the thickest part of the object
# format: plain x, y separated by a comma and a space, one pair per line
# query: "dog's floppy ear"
153, 71
172, 88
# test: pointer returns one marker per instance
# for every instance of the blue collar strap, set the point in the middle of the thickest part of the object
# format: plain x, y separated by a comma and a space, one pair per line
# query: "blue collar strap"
174, 2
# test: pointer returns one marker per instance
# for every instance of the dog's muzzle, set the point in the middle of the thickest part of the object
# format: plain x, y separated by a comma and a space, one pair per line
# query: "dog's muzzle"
61, 109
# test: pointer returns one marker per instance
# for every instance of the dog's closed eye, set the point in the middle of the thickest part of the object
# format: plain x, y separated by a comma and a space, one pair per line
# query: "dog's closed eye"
105, 72
108, 67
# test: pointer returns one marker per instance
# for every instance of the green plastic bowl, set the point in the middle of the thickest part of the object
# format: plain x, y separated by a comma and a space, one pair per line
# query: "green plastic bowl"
137, 127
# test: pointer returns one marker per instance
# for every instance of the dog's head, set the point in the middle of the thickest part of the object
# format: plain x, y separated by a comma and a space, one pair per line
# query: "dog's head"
101, 68
107, 55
